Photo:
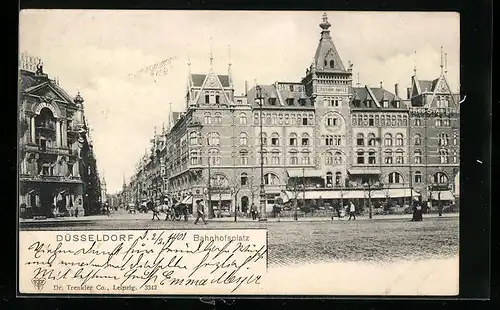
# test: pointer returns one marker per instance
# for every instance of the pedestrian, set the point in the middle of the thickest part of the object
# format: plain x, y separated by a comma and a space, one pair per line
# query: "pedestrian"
352, 211
200, 212
151, 205
253, 210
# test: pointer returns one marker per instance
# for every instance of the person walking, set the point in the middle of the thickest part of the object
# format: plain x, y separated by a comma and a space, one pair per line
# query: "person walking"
352, 211
253, 210
153, 207
200, 212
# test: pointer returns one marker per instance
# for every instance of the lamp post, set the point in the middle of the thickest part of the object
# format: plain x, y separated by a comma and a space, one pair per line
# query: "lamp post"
262, 212
368, 186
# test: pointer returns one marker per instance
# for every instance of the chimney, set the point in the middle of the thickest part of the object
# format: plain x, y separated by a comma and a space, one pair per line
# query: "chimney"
246, 88
396, 89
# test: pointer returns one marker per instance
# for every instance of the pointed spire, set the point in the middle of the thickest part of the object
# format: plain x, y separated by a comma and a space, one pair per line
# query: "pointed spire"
189, 62
442, 60
415, 65
445, 63
229, 71
381, 85
163, 128
325, 24
211, 56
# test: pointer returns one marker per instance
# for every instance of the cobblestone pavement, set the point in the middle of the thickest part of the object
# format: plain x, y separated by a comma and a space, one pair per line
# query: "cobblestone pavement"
386, 238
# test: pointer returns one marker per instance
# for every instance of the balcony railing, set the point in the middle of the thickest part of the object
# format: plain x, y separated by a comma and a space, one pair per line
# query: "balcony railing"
47, 127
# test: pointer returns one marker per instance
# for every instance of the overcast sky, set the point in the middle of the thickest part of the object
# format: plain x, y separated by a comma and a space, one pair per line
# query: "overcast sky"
94, 52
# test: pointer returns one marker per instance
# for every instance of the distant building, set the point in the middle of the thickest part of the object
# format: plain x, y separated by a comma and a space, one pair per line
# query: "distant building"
322, 137
54, 149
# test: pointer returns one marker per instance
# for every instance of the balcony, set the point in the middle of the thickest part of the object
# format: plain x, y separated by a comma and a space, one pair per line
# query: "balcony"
46, 127
50, 178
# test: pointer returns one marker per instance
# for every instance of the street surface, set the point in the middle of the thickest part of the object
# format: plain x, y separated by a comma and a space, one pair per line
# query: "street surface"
386, 238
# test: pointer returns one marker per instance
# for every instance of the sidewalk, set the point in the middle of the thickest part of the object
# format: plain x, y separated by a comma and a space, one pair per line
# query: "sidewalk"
148, 216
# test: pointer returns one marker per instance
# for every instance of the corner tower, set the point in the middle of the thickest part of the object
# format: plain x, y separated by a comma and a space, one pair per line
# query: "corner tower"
329, 85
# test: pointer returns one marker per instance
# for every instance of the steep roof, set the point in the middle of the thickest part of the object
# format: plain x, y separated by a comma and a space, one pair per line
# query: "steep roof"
379, 94
425, 85
326, 52
198, 80
270, 91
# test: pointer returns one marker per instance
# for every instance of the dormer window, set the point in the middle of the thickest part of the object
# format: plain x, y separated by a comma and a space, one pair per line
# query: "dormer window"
291, 87
357, 103
397, 104
290, 101
302, 101
332, 64
385, 104
272, 101
368, 103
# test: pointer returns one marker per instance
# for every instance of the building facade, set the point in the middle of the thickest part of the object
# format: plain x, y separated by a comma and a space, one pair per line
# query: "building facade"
321, 137
56, 161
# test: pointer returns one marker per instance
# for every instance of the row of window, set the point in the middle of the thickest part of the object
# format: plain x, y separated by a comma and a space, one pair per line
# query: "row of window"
284, 119
371, 104
219, 180
379, 120
438, 122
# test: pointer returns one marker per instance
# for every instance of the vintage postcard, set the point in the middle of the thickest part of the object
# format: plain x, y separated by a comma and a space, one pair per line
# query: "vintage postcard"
238, 153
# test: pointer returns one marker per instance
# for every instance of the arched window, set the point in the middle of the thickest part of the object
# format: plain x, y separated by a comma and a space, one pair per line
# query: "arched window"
417, 139
443, 156
243, 157
388, 157
329, 179
244, 179
274, 119
440, 177
360, 157
275, 139
372, 141
388, 139
207, 98
195, 158
218, 118
332, 121
275, 157
306, 159
332, 64
399, 157
328, 158
243, 139
305, 139
264, 157
455, 158
219, 181
395, 178
268, 119
207, 118
443, 139
213, 138
293, 139
193, 138
399, 139
337, 158
417, 154
455, 139
338, 178
271, 179
360, 139
243, 119
214, 157
294, 160
217, 99
256, 119
372, 159
418, 177
264, 139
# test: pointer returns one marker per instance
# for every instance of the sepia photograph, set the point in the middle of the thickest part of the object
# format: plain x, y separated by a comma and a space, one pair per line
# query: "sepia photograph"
239, 152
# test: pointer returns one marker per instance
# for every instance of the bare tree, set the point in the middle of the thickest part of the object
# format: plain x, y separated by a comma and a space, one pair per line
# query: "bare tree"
295, 187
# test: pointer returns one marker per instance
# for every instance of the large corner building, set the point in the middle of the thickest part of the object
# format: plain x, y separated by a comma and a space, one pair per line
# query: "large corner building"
336, 140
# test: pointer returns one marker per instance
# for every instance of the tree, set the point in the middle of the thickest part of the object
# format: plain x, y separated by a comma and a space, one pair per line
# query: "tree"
294, 186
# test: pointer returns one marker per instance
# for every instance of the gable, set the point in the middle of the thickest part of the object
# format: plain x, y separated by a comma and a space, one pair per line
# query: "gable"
48, 93
213, 86
442, 88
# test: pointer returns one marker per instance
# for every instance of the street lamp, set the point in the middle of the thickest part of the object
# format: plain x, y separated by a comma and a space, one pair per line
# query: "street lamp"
368, 185
259, 99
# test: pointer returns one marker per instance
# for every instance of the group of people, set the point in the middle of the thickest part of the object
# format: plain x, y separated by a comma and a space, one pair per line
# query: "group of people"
175, 206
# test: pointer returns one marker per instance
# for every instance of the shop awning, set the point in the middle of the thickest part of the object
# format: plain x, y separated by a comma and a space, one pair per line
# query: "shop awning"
394, 193
311, 195
442, 195
188, 200
308, 173
364, 171
217, 197
350, 194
